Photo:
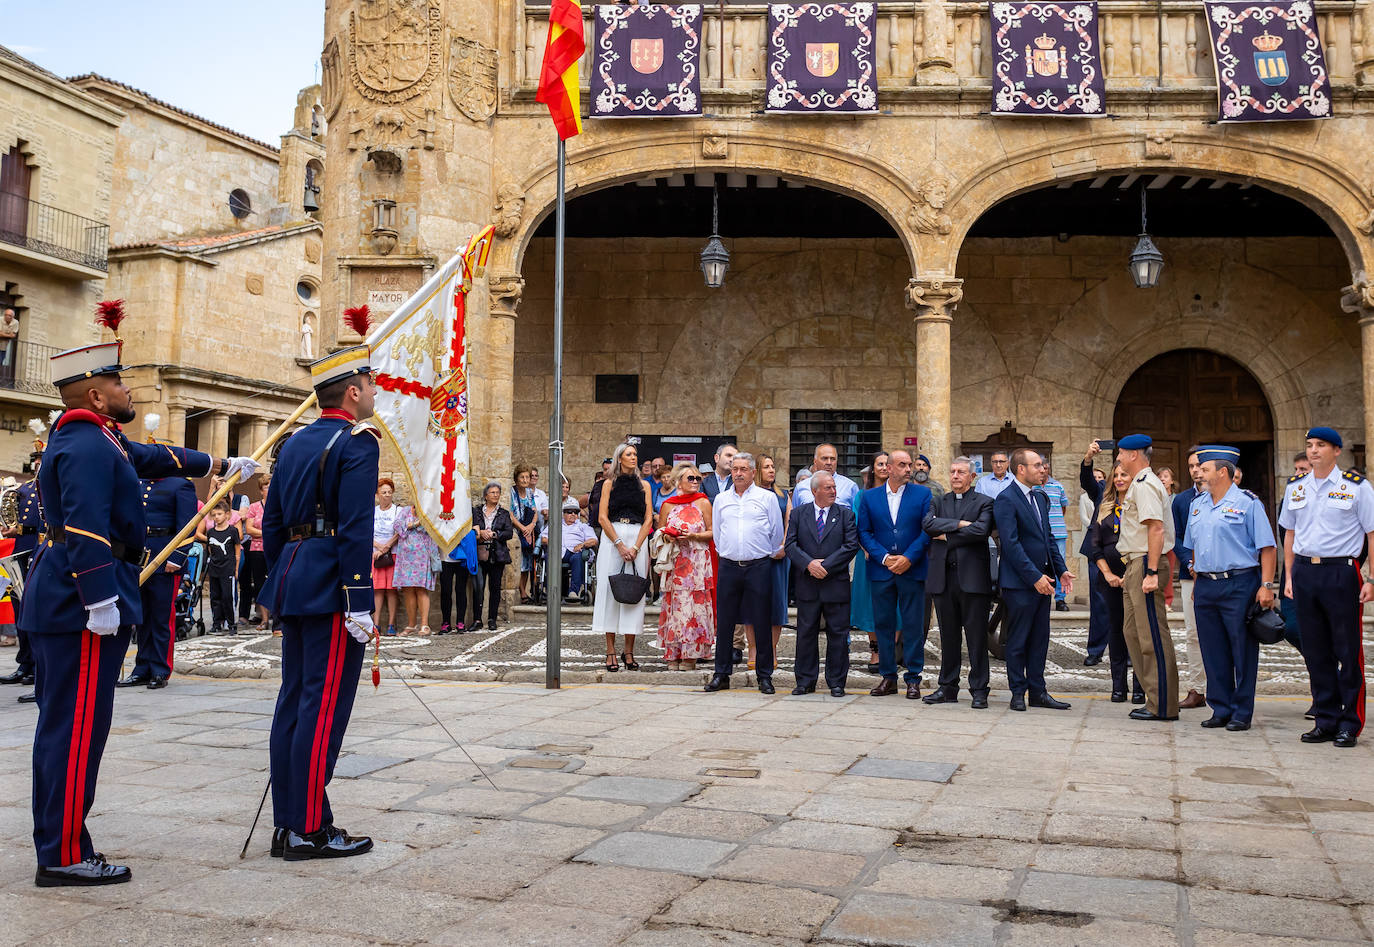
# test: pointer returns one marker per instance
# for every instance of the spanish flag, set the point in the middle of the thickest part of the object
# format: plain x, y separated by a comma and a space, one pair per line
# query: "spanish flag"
558, 77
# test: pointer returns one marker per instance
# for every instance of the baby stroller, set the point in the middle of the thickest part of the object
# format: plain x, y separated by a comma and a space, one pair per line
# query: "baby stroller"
189, 592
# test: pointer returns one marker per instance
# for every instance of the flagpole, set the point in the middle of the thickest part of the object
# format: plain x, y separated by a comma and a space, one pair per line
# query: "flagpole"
553, 632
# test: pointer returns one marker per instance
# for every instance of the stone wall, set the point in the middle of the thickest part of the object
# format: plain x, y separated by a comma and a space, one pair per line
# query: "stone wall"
1045, 336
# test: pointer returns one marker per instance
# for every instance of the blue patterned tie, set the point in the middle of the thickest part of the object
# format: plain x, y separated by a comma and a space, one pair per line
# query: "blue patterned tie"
820, 522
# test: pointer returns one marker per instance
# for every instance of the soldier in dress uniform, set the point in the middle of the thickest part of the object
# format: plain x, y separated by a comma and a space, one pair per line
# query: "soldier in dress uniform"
169, 503
1329, 516
82, 598
1233, 557
26, 535
317, 536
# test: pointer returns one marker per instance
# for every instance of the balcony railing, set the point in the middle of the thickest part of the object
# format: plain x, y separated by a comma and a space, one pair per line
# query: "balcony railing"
1146, 44
26, 367
51, 232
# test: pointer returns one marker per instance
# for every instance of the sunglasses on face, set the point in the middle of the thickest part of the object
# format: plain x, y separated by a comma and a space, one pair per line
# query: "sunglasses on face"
692, 479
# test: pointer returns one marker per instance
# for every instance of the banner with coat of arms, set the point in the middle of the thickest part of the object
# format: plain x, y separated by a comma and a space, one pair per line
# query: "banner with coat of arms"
820, 58
419, 357
1046, 59
648, 61
1270, 62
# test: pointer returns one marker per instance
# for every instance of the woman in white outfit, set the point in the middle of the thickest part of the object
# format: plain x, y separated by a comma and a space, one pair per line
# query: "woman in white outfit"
626, 515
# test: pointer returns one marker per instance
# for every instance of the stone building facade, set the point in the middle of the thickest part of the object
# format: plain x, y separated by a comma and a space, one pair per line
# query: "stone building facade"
58, 152
955, 339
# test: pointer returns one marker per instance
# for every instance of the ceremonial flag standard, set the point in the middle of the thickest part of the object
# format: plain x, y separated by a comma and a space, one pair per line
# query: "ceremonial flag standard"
558, 81
1270, 62
1046, 59
419, 356
820, 58
648, 61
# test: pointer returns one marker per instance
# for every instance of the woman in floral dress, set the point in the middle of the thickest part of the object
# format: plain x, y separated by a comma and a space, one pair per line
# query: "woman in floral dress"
414, 571
687, 621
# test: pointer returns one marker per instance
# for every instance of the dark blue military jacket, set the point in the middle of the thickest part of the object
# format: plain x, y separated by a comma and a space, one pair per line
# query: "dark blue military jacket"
89, 484
30, 519
168, 505
324, 574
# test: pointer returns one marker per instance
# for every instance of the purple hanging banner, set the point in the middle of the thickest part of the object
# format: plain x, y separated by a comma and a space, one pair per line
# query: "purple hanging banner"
820, 58
1270, 62
1046, 59
647, 61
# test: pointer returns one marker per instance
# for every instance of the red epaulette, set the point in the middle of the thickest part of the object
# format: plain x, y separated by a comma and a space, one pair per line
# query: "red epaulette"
79, 414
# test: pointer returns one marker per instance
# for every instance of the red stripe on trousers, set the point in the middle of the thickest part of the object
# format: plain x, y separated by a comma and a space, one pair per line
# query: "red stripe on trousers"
1359, 647
324, 723
82, 721
172, 621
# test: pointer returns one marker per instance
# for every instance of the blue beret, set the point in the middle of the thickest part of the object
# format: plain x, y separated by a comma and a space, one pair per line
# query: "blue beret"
923, 457
1325, 434
1134, 442
1218, 453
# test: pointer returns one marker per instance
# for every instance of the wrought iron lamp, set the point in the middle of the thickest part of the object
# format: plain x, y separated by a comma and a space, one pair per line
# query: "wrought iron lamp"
1146, 260
715, 259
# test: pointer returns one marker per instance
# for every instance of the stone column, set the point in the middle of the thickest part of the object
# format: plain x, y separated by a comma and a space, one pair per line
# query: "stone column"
1359, 300
218, 443
176, 424
933, 299
257, 433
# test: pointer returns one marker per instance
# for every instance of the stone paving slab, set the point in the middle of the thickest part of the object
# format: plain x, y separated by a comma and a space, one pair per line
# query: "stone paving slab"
904, 769
636, 789
658, 852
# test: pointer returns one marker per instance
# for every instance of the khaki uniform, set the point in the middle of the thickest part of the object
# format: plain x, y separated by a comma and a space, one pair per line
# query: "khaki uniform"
1146, 626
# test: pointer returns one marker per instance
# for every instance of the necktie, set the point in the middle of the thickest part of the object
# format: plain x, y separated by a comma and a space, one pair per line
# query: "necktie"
820, 522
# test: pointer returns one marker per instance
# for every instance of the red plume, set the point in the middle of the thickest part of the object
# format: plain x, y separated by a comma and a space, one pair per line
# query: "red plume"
110, 313
358, 319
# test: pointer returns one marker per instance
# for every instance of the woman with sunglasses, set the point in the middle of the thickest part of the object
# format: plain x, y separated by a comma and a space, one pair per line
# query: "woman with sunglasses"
687, 621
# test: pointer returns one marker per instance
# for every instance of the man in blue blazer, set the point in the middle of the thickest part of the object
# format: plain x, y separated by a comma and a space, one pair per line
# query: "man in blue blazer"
893, 538
1030, 561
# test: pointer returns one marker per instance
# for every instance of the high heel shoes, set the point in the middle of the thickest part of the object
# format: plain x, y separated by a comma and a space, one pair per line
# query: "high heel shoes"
630, 665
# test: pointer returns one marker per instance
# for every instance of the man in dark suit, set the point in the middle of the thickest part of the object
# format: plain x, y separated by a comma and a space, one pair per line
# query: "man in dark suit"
822, 539
1030, 561
719, 479
890, 532
960, 581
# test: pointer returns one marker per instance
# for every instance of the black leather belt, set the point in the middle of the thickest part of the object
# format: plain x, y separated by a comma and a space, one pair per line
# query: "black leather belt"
134, 555
1228, 574
746, 563
310, 531
156, 531
1326, 560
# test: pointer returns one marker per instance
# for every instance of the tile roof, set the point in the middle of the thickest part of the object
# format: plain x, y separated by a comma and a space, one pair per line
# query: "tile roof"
215, 241
92, 77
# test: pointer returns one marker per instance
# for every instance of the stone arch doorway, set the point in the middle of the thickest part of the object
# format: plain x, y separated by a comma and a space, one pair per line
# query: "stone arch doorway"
1197, 396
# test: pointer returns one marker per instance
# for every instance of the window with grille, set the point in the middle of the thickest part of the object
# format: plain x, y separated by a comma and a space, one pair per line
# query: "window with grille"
857, 436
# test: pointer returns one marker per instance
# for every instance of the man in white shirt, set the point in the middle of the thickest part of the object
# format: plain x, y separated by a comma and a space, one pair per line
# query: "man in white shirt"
828, 459
993, 483
578, 539
747, 526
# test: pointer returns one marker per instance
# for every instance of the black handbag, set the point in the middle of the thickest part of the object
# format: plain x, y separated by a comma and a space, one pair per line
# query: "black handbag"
1265, 625
629, 589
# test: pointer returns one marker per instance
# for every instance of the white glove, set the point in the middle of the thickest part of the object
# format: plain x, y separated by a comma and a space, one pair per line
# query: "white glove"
360, 625
103, 617
245, 466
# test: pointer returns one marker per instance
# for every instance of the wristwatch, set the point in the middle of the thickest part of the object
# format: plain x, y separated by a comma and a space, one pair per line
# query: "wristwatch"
1152, 572
1274, 586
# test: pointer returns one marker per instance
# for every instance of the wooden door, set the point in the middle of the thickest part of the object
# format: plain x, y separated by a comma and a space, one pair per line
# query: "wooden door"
15, 179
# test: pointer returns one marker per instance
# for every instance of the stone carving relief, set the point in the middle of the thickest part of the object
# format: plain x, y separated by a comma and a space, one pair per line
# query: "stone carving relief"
935, 297
510, 208
391, 129
1159, 145
331, 78
253, 282
472, 78
313, 249
1359, 296
394, 49
505, 294
927, 214
715, 146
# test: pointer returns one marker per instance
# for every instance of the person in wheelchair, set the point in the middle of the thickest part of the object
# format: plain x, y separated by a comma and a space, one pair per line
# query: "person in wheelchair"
578, 542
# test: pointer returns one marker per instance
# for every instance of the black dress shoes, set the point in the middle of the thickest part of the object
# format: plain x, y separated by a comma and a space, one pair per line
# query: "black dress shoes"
1345, 739
1318, 735
1017, 702
328, 842
1061, 606
1046, 702
1214, 721
837, 692
979, 702
93, 871
798, 691
766, 685
736, 656
18, 676
1137, 698
30, 698
278, 842
133, 680
1141, 713
1092, 660
913, 690
719, 682
1118, 697
941, 696
886, 687
155, 683
1235, 726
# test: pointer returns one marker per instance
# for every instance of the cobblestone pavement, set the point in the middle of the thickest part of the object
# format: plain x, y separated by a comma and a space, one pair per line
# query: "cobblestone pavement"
516, 653
658, 815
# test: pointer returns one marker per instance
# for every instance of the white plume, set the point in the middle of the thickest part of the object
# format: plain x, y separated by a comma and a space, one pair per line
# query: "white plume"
37, 427
53, 415
151, 422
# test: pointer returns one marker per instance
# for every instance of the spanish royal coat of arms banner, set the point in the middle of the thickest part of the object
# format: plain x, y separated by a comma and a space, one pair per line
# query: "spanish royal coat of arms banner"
820, 58
1046, 59
648, 61
1270, 62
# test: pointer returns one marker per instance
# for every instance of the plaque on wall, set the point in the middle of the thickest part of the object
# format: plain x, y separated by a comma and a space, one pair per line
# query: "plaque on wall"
383, 288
